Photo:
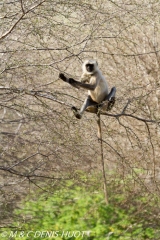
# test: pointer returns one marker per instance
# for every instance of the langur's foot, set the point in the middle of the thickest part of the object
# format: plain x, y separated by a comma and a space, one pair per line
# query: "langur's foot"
76, 112
111, 103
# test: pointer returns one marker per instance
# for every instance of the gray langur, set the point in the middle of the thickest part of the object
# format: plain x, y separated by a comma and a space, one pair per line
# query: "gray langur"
96, 84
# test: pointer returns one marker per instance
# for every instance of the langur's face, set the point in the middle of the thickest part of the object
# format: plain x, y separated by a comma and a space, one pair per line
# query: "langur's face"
90, 67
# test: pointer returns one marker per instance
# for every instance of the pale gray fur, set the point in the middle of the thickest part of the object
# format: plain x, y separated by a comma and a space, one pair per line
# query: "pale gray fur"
95, 78
92, 80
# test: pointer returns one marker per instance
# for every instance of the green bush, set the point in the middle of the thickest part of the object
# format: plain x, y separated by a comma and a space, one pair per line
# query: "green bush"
77, 213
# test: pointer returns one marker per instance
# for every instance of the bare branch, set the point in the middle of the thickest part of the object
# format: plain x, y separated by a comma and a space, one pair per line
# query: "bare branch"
20, 18
21, 1
11, 29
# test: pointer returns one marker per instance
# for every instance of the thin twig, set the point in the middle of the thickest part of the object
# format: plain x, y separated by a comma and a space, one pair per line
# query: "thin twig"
102, 158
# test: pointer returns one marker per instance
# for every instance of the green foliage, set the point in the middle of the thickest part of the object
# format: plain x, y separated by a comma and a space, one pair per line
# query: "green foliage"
77, 213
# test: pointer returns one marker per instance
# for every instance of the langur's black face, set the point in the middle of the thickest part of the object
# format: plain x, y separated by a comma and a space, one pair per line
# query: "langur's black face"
89, 67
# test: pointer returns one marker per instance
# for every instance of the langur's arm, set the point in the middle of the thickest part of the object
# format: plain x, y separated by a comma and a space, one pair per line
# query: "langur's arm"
77, 84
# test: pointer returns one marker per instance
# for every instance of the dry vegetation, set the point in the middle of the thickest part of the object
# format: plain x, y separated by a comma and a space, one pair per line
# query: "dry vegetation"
41, 143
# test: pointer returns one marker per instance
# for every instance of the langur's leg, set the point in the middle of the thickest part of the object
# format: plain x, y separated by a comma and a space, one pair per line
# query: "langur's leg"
111, 94
111, 98
88, 102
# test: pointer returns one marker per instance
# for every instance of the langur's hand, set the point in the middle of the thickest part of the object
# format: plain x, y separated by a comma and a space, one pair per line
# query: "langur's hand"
71, 81
61, 76
68, 80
